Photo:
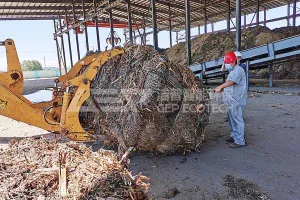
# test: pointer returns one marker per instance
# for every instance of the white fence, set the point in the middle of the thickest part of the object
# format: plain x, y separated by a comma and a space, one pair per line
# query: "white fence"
41, 74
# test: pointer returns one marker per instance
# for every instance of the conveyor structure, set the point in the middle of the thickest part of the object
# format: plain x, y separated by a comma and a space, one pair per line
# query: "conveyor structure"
256, 58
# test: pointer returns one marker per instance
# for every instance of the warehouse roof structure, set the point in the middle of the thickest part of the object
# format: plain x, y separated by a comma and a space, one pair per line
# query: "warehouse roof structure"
35, 9
201, 11
171, 15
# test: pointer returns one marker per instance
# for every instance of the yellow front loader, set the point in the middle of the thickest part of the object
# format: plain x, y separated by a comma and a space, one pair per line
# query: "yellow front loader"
61, 114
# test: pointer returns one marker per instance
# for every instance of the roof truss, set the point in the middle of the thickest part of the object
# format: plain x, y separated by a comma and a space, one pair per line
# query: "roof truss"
167, 10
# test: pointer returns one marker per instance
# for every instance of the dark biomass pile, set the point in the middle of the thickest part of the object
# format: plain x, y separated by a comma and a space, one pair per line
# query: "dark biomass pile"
210, 46
141, 99
29, 169
240, 188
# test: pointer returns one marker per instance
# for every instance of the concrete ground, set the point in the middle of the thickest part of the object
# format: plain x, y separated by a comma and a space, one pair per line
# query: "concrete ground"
33, 85
270, 160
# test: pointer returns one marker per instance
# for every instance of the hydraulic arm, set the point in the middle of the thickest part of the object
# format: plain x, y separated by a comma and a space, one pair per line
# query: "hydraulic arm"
61, 114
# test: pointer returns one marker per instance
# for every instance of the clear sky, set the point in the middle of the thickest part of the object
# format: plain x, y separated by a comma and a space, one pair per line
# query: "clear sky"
34, 39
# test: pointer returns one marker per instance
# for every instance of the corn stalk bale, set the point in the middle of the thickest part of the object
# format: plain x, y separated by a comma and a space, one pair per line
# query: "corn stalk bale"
148, 102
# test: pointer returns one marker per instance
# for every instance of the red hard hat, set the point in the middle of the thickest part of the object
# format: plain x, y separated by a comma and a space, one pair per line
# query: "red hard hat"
230, 57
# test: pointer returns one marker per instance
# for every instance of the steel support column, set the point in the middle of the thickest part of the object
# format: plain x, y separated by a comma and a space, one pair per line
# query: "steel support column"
170, 26
97, 27
76, 34
57, 49
212, 27
288, 14
270, 69
125, 35
238, 25
188, 31
253, 19
265, 16
245, 21
294, 12
63, 46
111, 25
154, 25
144, 32
228, 17
257, 12
205, 81
134, 36
129, 21
85, 28
205, 18
199, 30
170, 32
69, 39
247, 75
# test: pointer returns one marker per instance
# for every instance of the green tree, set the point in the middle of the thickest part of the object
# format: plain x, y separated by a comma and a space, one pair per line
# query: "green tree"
31, 65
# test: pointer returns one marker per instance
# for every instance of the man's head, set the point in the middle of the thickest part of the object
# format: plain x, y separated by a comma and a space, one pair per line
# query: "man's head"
238, 56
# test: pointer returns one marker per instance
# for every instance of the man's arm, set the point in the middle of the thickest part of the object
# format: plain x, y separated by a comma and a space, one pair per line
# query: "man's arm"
224, 85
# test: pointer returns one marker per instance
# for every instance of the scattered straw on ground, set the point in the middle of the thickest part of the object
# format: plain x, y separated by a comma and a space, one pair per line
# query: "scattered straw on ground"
29, 169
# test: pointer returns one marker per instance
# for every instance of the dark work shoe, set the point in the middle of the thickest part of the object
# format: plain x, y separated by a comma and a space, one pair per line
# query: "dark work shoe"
229, 139
234, 146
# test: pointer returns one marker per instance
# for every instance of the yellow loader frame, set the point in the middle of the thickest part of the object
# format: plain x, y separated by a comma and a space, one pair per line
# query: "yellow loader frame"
61, 114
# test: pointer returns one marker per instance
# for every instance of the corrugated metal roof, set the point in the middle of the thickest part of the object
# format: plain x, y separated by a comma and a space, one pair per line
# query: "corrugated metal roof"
39, 9
173, 10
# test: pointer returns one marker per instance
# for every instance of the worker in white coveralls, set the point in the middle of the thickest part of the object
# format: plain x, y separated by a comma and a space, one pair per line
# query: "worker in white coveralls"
235, 98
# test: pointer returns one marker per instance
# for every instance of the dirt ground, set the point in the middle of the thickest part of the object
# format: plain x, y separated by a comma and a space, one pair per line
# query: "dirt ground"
269, 163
